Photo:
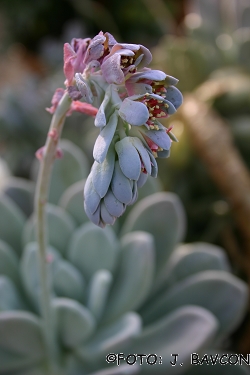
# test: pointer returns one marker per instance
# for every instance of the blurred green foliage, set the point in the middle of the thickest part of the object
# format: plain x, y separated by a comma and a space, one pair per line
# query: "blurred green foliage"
195, 40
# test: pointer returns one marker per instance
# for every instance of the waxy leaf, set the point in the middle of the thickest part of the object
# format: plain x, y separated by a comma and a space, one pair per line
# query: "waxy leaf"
92, 248
121, 186
104, 139
21, 341
134, 113
75, 323
134, 276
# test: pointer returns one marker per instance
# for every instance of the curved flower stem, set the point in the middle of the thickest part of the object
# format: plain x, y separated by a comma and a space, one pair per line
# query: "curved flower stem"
41, 195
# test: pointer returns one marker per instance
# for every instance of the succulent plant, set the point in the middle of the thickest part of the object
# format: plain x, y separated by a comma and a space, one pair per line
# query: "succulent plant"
134, 290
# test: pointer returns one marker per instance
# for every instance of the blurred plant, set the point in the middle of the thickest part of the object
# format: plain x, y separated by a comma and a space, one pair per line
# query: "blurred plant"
139, 292
200, 51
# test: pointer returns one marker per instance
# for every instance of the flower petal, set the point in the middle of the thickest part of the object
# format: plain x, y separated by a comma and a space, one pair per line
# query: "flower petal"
121, 186
111, 69
147, 57
129, 159
163, 154
174, 96
149, 74
102, 173
80, 47
104, 139
105, 215
169, 81
91, 198
134, 88
85, 108
95, 49
159, 137
113, 205
100, 119
84, 88
69, 57
154, 170
143, 153
94, 217
142, 179
135, 113
134, 194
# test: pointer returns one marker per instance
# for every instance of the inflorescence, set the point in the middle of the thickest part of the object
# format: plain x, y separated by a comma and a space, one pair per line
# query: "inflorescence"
131, 99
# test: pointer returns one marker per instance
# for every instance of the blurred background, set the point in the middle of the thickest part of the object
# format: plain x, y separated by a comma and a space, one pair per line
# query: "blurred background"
203, 43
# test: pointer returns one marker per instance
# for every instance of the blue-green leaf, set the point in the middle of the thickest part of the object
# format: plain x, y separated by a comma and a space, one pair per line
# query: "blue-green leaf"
92, 248
21, 341
134, 275
75, 323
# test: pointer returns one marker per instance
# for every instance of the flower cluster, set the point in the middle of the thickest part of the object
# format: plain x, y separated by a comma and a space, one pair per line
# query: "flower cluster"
131, 100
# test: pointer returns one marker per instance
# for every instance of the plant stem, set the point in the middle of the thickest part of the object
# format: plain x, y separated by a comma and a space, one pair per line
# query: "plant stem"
42, 189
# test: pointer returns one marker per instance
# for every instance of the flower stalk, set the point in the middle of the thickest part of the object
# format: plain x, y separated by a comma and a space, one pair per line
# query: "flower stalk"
41, 196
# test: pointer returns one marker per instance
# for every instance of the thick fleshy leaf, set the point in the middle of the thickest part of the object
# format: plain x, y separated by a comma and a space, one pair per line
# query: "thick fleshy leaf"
9, 296
29, 270
8, 262
91, 198
68, 281
186, 330
134, 275
134, 113
162, 215
159, 137
58, 221
98, 290
21, 341
129, 159
12, 221
102, 173
100, 119
188, 259
121, 186
72, 202
121, 370
213, 290
174, 96
105, 215
92, 248
113, 205
21, 191
84, 88
111, 338
37, 370
75, 323
104, 139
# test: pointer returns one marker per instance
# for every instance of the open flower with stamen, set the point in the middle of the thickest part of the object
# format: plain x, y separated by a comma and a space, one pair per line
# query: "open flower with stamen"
124, 59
